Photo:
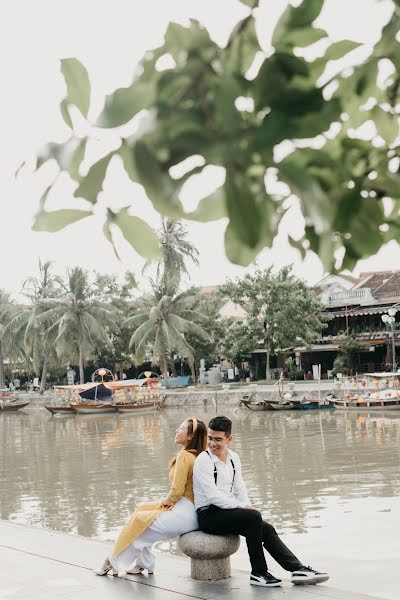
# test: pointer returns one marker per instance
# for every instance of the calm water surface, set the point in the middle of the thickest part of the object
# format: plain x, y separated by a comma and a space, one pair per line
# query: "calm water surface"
328, 481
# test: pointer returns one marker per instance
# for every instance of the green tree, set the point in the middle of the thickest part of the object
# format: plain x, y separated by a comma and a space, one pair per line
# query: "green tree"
282, 310
80, 319
7, 343
237, 341
348, 348
38, 339
176, 250
163, 330
114, 352
194, 109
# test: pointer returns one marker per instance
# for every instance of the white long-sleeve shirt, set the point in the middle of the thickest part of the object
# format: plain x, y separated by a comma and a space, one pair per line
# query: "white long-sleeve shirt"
223, 494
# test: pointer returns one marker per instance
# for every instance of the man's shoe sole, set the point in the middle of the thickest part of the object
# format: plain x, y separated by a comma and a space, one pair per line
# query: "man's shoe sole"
314, 581
265, 584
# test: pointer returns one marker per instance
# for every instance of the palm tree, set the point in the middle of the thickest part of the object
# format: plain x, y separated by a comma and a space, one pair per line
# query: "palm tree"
7, 308
162, 329
175, 251
80, 319
38, 341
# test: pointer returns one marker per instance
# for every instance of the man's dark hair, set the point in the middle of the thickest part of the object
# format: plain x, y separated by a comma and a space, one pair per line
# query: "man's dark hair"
221, 424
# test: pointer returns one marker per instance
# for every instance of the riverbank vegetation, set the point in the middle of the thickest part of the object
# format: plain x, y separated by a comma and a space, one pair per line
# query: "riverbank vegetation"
90, 319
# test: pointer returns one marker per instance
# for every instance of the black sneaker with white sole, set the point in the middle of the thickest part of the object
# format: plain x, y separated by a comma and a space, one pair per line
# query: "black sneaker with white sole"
308, 576
265, 580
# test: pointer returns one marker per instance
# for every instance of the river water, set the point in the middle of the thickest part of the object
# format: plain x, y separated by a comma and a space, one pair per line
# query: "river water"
329, 481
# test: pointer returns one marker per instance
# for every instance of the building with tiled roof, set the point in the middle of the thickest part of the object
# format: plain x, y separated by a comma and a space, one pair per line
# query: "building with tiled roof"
355, 306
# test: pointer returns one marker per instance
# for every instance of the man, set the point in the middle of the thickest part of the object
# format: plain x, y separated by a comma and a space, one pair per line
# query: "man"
223, 507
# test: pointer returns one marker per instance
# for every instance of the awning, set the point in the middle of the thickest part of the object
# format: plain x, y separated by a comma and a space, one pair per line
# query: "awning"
357, 312
318, 348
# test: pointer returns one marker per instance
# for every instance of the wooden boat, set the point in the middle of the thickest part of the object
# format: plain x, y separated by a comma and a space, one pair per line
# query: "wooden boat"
60, 409
13, 405
135, 395
137, 406
92, 408
306, 404
363, 404
384, 395
266, 404
280, 401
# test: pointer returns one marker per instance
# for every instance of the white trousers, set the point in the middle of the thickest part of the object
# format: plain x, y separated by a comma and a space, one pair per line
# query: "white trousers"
169, 524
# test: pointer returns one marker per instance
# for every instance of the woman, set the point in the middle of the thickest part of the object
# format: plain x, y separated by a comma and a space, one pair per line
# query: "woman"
156, 521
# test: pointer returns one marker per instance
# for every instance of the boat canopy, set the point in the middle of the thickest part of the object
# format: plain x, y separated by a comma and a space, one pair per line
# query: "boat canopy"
98, 392
381, 375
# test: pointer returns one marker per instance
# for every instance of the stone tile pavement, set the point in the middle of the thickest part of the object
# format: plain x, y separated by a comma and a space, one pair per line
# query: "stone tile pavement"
38, 564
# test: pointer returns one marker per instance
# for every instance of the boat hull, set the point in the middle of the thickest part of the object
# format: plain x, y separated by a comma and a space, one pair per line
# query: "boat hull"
60, 410
92, 409
256, 406
368, 406
125, 407
13, 407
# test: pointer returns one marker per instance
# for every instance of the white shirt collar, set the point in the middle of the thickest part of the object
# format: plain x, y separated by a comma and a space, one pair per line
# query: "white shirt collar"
215, 458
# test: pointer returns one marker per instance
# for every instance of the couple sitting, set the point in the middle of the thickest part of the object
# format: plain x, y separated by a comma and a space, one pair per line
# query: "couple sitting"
209, 480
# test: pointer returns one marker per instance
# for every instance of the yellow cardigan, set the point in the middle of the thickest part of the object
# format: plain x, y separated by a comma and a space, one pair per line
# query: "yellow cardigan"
181, 477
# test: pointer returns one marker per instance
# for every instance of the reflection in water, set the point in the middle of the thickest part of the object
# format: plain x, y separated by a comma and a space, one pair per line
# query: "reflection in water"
85, 474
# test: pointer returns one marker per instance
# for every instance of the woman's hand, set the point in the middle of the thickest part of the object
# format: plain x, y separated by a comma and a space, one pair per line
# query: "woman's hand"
166, 505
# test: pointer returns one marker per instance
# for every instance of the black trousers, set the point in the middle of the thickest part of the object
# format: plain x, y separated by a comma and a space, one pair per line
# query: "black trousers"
258, 533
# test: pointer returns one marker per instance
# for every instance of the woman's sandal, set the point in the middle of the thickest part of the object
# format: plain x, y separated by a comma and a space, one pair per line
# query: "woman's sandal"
106, 568
137, 570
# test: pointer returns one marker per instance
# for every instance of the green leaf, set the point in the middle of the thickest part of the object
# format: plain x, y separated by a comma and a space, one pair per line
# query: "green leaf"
386, 185
296, 18
304, 37
366, 239
77, 159
387, 125
236, 251
242, 48
128, 159
227, 116
339, 49
92, 184
43, 197
65, 113
316, 205
250, 3
315, 123
179, 38
78, 84
160, 188
138, 233
62, 153
58, 219
108, 235
122, 105
210, 208
243, 212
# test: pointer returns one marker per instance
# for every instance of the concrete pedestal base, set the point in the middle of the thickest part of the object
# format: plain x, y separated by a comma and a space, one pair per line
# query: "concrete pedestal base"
209, 554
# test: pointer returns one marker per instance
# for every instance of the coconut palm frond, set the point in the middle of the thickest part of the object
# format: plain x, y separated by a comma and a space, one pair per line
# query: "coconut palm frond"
136, 319
140, 331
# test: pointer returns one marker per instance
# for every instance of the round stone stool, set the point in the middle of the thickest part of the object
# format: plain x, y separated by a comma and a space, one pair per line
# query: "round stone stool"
209, 554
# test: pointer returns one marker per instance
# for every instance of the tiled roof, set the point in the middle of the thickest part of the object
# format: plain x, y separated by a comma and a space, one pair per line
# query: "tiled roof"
382, 282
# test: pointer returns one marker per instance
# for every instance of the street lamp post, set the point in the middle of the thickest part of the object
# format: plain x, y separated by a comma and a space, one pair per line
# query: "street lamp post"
390, 319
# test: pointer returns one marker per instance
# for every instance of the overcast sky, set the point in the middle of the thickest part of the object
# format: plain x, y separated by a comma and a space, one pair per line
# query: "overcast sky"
110, 38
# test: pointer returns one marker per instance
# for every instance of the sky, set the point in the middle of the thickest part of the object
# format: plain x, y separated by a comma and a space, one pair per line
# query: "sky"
110, 38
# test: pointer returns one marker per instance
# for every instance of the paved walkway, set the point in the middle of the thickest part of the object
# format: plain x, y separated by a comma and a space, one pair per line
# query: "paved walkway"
39, 564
